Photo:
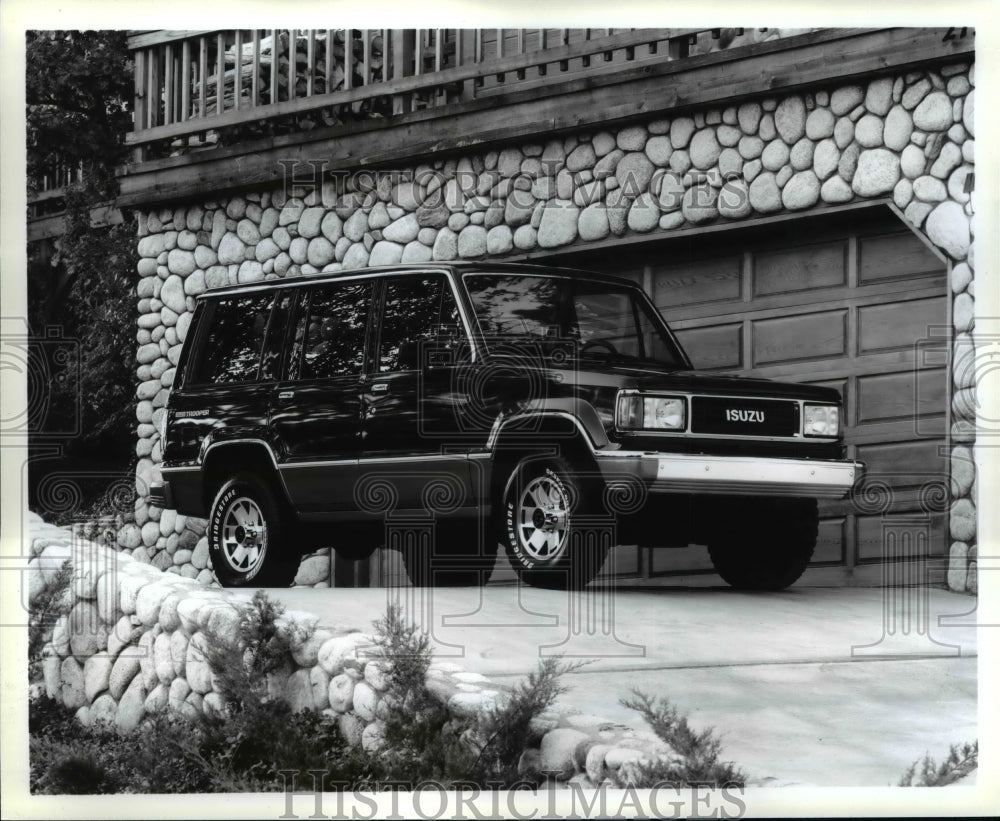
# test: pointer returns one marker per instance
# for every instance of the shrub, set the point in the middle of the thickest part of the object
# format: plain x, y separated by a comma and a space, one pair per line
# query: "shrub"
262, 647
258, 744
66, 758
697, 760
422, 742
43, 612
506, 730
962, 759
259, 741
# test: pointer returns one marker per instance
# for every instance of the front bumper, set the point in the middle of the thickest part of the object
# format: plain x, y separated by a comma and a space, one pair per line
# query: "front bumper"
161, 495
734, 475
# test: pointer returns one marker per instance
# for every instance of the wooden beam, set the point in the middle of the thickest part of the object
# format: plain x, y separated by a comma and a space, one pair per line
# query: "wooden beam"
641, 92
54, 225
155, 38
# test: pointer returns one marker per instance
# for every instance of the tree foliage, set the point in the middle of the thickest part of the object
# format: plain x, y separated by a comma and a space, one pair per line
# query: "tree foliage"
79, 86
962, 759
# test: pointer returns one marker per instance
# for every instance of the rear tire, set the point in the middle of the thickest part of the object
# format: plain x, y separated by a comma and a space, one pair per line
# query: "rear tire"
540, 529
765, 544
248, 534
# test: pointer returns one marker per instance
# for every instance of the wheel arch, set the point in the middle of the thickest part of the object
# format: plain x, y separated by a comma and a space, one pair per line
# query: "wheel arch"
553, 436
222, 460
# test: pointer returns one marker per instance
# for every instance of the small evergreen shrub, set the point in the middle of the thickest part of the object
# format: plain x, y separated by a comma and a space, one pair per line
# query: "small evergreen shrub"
506, 730
262, 648
925, 772
698, 761
422, 743
44, 611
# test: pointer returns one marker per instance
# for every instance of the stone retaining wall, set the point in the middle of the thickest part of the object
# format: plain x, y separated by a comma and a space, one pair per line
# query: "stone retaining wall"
131, 645
909, 137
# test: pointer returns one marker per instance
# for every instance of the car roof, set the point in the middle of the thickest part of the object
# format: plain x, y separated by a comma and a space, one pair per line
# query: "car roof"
418, 267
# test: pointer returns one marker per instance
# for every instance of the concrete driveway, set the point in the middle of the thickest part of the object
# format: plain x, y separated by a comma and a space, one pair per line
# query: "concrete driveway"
819, 686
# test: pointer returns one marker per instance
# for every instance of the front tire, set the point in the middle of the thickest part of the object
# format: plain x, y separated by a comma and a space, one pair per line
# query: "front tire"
546, 543
248, 534
765, 544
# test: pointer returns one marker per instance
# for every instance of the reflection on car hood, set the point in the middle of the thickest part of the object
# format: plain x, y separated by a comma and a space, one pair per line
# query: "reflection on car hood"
650, 376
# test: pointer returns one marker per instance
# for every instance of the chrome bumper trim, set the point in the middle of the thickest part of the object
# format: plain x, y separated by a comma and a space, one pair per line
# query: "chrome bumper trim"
741, 475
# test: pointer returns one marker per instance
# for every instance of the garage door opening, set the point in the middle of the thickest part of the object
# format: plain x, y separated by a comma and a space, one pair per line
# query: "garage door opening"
849, 298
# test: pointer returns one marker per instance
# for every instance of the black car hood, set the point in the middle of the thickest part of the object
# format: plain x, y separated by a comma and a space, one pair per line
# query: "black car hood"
652, 377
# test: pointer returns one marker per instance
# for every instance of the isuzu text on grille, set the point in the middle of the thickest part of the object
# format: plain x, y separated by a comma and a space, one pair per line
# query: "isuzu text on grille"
744, 415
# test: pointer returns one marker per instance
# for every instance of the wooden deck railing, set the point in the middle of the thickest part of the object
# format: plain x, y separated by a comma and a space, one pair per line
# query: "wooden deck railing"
197, 89
55, 178
47, 190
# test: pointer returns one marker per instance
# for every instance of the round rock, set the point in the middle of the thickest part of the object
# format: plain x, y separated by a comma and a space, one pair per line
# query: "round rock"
704, 150
948, 227
934, 112
765, 196
877, 172
790, 119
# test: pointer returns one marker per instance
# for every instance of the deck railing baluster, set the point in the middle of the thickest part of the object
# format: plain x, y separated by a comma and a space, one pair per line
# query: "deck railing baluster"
238, 69
176, 77
255, 69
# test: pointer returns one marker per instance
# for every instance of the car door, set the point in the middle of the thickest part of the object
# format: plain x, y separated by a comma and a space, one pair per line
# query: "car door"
416, 396
316, 410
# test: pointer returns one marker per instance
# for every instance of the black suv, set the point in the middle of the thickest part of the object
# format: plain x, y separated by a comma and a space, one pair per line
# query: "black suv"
441, 409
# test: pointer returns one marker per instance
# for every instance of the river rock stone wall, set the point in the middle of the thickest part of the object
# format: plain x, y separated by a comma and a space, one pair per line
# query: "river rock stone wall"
909, 137
132, 642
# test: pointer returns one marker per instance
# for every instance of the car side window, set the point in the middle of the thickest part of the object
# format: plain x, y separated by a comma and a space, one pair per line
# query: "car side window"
276, 332
417, 309
330, 333
232, 348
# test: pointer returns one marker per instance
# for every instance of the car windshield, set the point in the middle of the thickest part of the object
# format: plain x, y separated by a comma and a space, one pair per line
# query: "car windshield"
602, 320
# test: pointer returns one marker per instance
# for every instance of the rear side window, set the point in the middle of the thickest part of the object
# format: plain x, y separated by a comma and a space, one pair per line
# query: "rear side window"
233, 344
417, 309
330, 332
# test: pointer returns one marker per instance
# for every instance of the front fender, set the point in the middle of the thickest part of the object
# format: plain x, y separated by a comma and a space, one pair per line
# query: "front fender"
583, 415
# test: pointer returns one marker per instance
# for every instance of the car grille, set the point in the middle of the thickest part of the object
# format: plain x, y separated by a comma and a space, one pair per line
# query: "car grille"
733, 416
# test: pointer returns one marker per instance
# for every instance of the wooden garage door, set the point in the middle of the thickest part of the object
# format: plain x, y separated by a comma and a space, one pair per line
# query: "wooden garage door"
847, 306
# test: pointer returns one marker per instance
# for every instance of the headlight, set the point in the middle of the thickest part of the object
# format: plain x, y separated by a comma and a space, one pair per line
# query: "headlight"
821, 420
637, 412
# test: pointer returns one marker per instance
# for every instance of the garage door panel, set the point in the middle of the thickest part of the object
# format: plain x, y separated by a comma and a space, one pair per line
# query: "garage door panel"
899, 325
900, 533
905, 464
901, 396
622, 561
831, 542
818, 335
763, 307
714, 280
895, 256
800, 269
714, 347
